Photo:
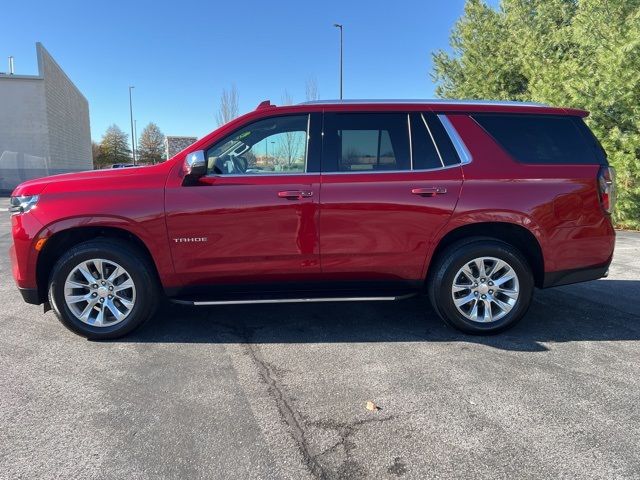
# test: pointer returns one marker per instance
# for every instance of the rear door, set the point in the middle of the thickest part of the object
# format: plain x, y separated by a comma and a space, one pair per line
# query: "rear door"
389, 182
254, 216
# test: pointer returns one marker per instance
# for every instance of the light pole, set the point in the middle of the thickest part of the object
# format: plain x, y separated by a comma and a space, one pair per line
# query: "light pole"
133, 138
339, 25
135, 134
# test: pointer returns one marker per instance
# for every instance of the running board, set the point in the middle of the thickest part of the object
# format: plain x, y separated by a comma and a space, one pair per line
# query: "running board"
200, 303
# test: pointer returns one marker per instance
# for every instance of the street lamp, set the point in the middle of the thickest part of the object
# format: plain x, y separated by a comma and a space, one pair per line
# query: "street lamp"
135, 133
339, 25
133, 138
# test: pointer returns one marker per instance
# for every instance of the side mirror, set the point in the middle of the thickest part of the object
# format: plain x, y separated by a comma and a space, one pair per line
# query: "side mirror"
195, 164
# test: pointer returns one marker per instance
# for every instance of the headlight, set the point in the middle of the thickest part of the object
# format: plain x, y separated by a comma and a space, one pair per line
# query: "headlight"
22, 204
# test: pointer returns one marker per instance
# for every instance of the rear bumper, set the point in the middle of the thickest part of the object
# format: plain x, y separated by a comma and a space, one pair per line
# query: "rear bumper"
30, 295
576, 275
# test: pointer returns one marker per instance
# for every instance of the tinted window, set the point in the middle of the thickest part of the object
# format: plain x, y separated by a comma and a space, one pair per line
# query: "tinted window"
361, 142
425, 154
273, 145
542, 139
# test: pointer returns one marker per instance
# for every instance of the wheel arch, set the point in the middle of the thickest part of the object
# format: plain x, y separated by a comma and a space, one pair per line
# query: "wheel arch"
513, 234
62, 240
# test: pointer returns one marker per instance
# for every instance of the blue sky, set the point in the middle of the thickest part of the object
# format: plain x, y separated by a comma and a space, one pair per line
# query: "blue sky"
180, 55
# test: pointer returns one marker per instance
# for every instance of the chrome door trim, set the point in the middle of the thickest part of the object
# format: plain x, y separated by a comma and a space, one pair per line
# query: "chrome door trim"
433, 140
458, 143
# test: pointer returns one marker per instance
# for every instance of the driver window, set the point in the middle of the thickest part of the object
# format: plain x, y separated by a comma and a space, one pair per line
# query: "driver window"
274, 145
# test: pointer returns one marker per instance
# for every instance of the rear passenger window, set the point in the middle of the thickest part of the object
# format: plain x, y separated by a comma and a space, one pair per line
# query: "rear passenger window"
361, 142
543, 139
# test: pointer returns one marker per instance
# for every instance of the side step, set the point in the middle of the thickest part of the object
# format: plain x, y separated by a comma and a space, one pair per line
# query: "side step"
199, 303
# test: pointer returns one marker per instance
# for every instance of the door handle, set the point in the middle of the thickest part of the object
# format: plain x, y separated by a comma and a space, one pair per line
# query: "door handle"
429, 191
295, 194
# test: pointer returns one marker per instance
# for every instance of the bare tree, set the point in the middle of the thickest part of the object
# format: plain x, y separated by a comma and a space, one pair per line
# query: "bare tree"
286, 98
228, 109
312, 89
290, 143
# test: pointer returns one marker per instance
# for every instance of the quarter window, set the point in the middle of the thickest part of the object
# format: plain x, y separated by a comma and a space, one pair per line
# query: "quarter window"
543, 139
273, 145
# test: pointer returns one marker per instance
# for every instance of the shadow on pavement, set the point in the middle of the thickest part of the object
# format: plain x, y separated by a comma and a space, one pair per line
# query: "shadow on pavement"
555, 316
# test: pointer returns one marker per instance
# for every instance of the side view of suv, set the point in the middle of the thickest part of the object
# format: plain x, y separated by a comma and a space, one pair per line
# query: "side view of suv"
473, 203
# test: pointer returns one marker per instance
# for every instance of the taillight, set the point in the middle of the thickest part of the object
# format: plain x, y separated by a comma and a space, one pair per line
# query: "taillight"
607, 188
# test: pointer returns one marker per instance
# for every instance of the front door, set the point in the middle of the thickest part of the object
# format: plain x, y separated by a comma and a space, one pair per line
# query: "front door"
386, 191
254, 216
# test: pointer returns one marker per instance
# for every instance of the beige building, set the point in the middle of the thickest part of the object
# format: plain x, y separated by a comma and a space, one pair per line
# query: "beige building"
44, 124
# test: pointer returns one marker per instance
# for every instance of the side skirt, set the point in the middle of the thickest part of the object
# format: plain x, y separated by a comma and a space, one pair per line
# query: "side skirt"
199, 303
295, 293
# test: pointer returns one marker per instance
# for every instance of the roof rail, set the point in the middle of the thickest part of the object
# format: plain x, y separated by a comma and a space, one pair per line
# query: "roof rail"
426, 101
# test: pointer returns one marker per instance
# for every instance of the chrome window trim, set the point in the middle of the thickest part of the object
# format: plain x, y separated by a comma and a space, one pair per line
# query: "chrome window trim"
410, 142
461, 149
433, 140
393, 171
271, 174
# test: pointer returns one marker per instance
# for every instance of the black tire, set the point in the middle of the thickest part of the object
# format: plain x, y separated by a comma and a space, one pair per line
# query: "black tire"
132, 260
444, 272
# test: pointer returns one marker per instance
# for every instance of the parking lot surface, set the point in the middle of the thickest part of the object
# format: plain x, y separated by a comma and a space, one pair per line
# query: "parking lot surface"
279, 391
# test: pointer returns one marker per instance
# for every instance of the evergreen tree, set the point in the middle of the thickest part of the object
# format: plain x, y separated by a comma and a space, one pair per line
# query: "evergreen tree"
114, 147
583, 54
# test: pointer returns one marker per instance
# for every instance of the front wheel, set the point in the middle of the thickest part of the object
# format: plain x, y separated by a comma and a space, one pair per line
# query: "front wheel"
481, 287
102, 289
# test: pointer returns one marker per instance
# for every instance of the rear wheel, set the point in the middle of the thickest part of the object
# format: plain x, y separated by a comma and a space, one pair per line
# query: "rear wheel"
482, 286
102, 289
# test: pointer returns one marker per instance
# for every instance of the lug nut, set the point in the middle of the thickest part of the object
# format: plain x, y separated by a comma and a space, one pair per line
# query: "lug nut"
482, 280
475, 285
102, 300
491, 284
111, 288
110, 297
483, 297
95, 285
475, 293
104, 283
94, 294
491, 292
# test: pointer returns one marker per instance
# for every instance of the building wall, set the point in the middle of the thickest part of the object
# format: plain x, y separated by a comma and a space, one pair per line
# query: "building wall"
24, 140
67, 118
173, 145
44, 125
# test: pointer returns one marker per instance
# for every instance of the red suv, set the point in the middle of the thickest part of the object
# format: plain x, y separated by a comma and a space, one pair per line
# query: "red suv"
474, 203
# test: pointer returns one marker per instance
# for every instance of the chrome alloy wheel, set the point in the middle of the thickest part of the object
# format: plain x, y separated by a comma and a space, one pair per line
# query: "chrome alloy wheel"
99, 292
485, 289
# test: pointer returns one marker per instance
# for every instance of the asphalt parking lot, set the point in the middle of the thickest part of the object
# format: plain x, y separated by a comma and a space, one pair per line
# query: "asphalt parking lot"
279, 391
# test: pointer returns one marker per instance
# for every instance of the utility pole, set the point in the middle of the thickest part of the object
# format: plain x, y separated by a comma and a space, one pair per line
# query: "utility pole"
339, 25
133, 138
